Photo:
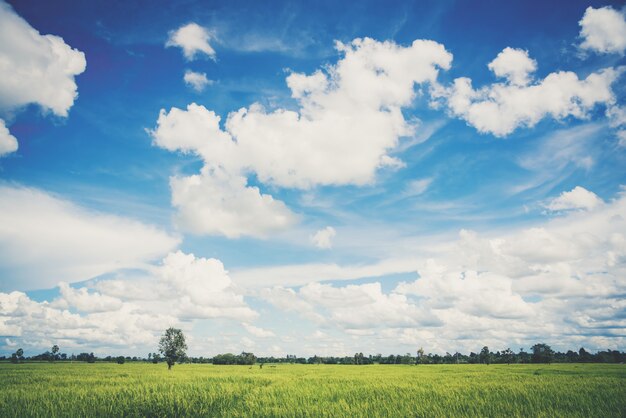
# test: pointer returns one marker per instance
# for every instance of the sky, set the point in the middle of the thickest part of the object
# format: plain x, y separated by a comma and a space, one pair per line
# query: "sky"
312, 178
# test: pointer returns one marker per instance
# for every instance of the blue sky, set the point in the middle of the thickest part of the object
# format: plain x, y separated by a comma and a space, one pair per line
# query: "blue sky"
312, 178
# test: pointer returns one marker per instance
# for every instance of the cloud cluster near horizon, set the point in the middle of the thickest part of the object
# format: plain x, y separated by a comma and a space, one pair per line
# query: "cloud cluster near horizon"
551, 278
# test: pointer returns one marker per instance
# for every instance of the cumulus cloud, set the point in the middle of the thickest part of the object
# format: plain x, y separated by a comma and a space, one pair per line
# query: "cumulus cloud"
603, 30
577, 198
481, 294
40, 324
201, 287
514, 65
34, 68
192, 39
181, 289
197, 81
215, 203
324, 237
257, 331
341, 132
365, 306
500, 108
45, 239
8, 143
351, 307
84, 301
559, 278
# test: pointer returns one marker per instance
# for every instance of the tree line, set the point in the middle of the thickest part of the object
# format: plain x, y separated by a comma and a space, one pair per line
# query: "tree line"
539, 353
173, 349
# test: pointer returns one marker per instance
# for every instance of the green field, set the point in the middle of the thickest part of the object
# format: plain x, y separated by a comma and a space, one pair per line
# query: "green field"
142, 389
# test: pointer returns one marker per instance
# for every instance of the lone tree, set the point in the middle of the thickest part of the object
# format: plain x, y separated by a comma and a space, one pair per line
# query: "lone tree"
173, 346
17, 356
55, 350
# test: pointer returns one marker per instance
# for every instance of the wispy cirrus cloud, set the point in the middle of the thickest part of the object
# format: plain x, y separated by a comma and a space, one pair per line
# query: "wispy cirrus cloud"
45, 239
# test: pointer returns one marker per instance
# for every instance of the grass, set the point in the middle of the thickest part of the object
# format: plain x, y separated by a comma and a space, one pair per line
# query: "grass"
138, 389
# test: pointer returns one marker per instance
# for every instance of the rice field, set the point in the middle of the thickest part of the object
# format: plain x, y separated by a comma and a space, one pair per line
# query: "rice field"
142, 389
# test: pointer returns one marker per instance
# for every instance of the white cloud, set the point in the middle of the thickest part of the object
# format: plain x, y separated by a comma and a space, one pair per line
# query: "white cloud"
193, 39
500, 108
577, 198
324, 237
352, 307
197, 81
45, 239
365, 306
480, 287
39, 324
215, 203
617, 119
340, 134
558, 281
603, 30
257, 331
84, 301
8, 143
301, 274
185, 286
201, 287
287, 300
417, 187
621, 136
34, 68
179, 291
515, 65
558, 278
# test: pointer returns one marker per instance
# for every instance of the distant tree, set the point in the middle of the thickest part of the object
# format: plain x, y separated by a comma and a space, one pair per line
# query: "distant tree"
173, 346
54, 351
18, 356
246, 358
420, 356
584, 356
508, 356
156, 357
120, 360
485, 355
571, 356
542, 353
359, 358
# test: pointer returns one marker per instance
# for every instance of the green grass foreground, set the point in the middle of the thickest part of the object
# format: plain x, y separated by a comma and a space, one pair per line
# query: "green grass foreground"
140, 389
